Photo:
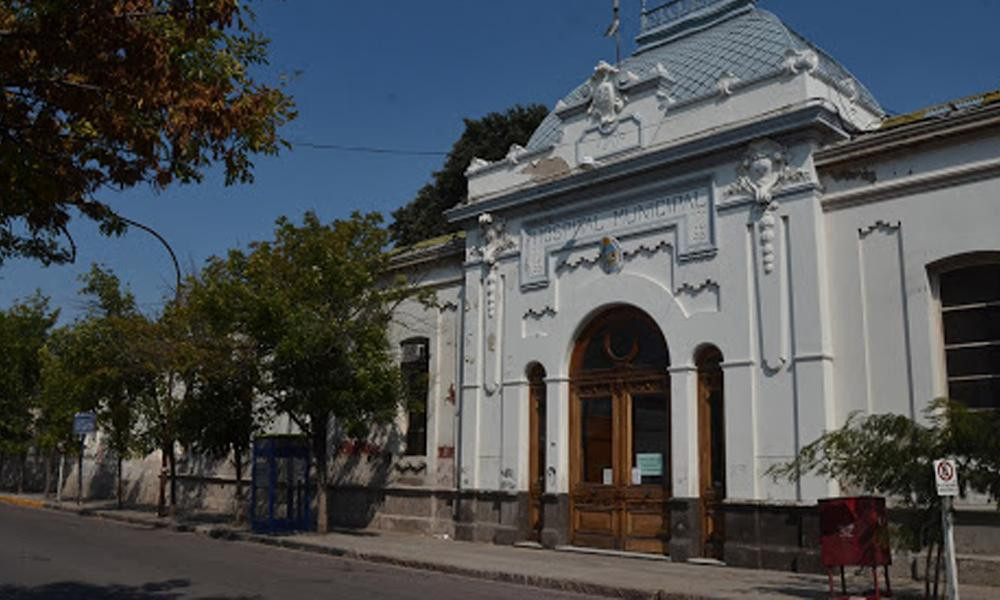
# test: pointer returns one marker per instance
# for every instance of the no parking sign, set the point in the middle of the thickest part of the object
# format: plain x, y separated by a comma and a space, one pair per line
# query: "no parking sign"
946, 477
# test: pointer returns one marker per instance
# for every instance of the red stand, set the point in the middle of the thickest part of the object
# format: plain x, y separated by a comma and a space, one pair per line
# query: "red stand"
854, 533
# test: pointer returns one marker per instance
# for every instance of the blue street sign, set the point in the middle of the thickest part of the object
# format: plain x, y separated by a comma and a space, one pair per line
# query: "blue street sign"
84, 423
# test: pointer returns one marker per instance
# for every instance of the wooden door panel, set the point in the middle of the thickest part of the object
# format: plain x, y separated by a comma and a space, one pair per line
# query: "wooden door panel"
595, 519
646, 545
589, 540
643, 524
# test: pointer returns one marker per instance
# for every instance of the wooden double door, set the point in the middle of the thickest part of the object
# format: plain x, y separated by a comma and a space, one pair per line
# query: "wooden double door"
620, 431
619, 499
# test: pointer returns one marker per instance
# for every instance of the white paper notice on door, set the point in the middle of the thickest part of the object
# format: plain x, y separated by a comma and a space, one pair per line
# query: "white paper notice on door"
636, 476
609, 477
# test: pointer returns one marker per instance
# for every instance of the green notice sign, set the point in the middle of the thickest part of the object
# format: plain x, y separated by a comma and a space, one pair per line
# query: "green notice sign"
650, 464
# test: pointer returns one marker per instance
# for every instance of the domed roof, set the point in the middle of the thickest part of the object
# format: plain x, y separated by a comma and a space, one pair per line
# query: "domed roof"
698, 42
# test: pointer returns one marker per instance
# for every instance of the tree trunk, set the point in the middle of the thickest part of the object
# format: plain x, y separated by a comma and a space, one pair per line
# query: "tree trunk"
320, 450
20, 474
937, 570
3, 476
239, 509
121, 487
927, 571
161, 505
48, 474
173, 482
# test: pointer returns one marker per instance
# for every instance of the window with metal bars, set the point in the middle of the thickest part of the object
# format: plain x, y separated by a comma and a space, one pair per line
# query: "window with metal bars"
415, 367
970, 312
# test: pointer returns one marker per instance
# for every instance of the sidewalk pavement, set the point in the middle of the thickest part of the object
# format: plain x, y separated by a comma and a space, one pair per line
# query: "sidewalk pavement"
601, 574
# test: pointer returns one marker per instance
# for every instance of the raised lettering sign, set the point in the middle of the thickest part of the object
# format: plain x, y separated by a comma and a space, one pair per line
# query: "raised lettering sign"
688, 211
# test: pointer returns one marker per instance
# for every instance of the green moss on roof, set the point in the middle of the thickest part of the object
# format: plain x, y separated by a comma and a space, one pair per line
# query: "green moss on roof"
440, 240
944, 109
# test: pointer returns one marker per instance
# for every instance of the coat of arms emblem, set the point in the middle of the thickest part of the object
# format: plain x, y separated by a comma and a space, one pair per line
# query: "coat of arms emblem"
606, 101
611, 258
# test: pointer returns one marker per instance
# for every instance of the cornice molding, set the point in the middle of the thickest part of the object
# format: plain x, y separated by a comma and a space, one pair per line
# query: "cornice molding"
942, 178
810, 115
906, 136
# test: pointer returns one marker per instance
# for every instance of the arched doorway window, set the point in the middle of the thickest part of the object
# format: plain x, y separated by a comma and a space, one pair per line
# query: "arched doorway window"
536, 457
711, 450
620, 428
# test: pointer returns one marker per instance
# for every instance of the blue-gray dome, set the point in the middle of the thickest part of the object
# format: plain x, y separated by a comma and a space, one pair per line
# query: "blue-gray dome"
723, 37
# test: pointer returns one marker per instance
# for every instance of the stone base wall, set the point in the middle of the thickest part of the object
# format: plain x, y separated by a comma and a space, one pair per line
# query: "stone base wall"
786, 538
759, 535
410, 510
555, 520
495, 517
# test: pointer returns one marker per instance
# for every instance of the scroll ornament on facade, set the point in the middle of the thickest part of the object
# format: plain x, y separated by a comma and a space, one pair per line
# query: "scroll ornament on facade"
763, 171
726, 83
801, 61
495, 242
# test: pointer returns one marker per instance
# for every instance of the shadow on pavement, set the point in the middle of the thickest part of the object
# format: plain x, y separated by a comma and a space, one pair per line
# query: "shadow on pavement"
813, 592
72, 590
790, 591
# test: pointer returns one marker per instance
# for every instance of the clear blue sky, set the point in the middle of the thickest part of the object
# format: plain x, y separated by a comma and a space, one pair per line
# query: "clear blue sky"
402, 74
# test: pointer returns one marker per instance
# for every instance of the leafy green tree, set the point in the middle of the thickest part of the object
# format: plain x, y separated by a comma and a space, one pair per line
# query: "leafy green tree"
893, 455
60, 396
325, 299
489, 138
223, 411
103, 362
24, 329
119, 93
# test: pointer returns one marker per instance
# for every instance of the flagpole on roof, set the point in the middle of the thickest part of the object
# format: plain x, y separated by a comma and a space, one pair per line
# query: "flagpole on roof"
615, 29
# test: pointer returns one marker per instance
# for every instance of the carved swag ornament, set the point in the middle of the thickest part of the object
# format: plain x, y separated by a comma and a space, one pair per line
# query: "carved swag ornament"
764, 170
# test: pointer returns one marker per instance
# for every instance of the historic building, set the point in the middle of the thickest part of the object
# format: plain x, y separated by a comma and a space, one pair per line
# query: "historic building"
705, 257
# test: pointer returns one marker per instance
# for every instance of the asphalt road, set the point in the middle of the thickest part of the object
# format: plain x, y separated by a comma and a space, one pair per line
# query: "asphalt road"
52, 555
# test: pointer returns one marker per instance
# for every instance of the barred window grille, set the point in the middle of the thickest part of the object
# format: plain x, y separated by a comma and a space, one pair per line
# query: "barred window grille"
970, 311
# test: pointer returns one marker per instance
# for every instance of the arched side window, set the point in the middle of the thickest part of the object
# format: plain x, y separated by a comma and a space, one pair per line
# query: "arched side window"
970, 314
415, 366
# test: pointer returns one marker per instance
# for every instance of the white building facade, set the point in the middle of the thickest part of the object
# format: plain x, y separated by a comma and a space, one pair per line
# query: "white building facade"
706, 256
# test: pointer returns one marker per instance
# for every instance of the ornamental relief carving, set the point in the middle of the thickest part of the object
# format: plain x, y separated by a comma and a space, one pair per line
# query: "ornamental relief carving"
763, 171
801, 61
606, 100
766, 229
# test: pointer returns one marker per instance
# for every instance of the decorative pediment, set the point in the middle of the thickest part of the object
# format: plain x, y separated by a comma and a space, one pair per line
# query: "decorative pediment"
609, 91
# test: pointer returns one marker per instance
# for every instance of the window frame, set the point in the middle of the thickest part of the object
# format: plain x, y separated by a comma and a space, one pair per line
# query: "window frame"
415, 438
942, 270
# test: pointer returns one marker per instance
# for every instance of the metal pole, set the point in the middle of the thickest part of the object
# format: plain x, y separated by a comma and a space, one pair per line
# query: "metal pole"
951, 565
618, 46
62, 466
79, 474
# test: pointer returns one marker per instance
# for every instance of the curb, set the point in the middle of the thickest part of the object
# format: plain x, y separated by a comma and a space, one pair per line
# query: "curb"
23, 502
536, 581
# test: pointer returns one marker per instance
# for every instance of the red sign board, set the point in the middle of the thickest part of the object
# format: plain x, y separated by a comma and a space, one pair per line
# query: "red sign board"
854, 532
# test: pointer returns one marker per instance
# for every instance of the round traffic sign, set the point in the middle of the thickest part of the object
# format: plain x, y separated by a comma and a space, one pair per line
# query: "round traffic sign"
945, 471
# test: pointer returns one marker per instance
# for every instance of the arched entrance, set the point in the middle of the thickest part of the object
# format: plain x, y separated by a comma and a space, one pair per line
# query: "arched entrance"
620, 434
